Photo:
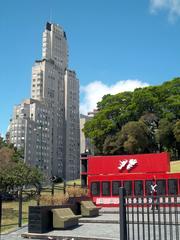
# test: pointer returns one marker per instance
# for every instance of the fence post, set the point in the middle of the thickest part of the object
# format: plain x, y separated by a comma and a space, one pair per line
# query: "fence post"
52, 189
64, 187
122, 214
38, 194
20, 208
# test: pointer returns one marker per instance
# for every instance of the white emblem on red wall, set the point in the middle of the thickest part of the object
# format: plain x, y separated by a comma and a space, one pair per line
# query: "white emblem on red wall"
128, 164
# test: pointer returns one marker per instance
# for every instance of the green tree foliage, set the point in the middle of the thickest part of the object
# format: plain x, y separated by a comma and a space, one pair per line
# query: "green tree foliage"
153, 113
14, 172
176, 131
110, 146
164, 135
144, 101
134, 137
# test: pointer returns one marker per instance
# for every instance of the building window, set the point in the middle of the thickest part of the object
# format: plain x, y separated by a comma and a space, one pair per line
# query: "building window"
138, 188
161, 187
172, 186
106, 188
95, 188
115, 188
128, 187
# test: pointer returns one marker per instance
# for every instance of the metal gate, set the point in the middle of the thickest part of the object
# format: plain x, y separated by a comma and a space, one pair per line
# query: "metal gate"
149, 217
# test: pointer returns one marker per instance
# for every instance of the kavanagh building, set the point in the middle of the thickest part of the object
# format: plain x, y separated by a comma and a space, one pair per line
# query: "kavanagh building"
46, 126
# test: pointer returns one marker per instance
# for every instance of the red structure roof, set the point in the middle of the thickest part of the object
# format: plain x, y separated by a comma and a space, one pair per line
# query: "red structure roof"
139, 163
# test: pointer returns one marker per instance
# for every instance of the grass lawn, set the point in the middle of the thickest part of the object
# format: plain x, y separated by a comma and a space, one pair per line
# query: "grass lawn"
10, 208
10, 214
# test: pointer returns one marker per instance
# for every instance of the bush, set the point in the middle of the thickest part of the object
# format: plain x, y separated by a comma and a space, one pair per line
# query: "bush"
76, 191
53, 200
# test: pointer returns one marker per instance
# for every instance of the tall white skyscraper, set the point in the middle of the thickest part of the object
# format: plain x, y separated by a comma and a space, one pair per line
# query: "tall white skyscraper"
51, 122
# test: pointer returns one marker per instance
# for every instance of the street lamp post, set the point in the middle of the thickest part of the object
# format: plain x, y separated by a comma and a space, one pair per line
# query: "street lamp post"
53, 180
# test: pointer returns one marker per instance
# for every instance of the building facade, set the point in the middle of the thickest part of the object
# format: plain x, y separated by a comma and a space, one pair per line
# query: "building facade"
48, 123
85, 143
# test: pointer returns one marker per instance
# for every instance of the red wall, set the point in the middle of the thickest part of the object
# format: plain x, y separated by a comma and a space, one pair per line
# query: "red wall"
146, 163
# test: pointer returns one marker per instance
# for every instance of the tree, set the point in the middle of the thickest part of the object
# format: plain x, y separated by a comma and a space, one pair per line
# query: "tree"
134, 136
165, 136
144, 101
110, 145
6, 155
149, 105
97, 129
151, 121
112, 116
14, 172
176, 131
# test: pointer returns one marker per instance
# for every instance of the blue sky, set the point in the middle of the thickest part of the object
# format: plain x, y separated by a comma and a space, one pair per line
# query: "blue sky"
114, 45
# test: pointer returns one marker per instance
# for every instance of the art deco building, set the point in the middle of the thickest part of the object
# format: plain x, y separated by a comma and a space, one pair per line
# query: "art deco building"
47, 125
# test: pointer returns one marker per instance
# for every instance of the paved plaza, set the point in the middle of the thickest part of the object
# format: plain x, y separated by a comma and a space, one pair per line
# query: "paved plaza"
103, 227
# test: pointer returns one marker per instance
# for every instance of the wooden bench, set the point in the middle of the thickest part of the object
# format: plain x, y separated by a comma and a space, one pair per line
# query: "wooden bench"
64, 218
88, 209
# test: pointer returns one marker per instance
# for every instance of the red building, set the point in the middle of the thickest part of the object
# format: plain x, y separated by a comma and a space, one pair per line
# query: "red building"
103, 175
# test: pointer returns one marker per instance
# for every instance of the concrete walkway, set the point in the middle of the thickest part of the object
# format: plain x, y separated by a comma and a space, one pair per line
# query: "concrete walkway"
103, 227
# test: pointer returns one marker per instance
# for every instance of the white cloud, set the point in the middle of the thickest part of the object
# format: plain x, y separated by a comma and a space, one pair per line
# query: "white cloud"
171, 6
94, 91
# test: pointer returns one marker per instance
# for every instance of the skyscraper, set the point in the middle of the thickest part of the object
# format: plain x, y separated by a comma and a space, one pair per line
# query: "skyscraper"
47, 125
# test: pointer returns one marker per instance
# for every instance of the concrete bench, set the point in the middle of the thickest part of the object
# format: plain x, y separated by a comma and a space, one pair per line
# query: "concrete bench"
64, 218
88, 209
